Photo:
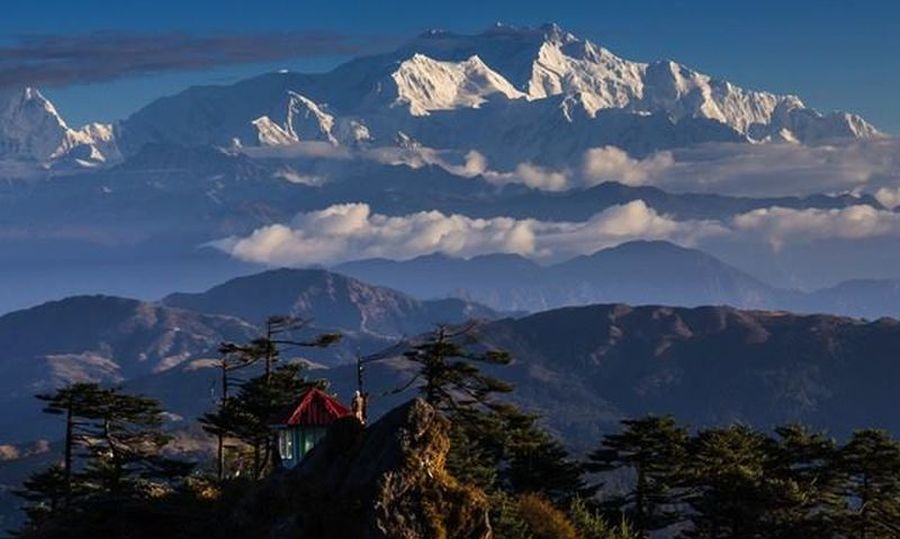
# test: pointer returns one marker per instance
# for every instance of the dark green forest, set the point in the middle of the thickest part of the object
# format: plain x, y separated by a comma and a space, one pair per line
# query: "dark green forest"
654, 477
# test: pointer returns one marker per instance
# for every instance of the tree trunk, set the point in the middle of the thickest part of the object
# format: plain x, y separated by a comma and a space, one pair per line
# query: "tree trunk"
220, 456
67, 459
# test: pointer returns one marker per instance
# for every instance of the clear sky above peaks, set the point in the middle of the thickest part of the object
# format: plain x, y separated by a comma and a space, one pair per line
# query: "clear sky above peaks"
834, 54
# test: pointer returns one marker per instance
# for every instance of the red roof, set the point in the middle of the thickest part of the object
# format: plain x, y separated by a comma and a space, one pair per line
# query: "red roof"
316, 408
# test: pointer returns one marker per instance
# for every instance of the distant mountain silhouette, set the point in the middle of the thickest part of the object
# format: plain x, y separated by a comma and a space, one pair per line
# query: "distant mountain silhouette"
328, 300
636, 272
870, 298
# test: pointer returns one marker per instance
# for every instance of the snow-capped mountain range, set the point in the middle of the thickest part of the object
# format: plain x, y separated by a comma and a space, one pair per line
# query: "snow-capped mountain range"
514, 94
31, 130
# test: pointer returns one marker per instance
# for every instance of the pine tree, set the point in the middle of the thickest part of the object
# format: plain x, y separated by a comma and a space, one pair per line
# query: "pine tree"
494, 445
112, 451
537, 462
81, 405
448, 368
451, 381
125, 446
591, 524
801, 467
728, 488
247, 415
653, 449
46, 492
869, 473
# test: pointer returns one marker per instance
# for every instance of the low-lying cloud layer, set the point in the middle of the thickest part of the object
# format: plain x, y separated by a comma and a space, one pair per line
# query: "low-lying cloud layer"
782, 225
58, 60
785, 169
889, 197
610, 164
352, 231
758, 170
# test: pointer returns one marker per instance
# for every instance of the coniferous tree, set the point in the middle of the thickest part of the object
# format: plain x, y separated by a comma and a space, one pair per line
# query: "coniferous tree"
493, 444
448, 368
46, 492
112, 451
451, 381
591, 524
801, 464
231, 359
537, 462
80, 404
868, 467
653, 449
247, 415
726, 479
125, 446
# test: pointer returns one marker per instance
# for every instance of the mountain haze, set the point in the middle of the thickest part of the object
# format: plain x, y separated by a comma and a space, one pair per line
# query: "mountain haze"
639, 272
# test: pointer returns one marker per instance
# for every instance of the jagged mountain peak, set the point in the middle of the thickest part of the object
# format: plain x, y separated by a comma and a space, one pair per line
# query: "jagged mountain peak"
30, 126
424, 84
33, 131
547, 61
514, 94
300, 118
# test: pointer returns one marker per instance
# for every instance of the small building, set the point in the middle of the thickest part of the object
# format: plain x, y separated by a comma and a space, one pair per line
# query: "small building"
301, 427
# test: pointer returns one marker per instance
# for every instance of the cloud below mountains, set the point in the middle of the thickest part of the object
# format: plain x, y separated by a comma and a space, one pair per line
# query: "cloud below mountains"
352, 231
889, 197
768, 170
871, 166
784, 169
610, 164
781, 225
59, 60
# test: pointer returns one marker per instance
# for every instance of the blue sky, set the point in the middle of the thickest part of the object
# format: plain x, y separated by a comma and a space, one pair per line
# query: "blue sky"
834, 54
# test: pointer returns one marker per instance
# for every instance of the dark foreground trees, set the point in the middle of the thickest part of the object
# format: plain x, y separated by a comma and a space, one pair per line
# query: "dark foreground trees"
494, 445
113, 442
653, 450
653, 477
737, 482
245, 416
112, 453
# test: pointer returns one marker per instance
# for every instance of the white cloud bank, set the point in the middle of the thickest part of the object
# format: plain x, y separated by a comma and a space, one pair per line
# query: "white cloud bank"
768, 170
759, 170
889, 197
779, 226
352, 231
610, 164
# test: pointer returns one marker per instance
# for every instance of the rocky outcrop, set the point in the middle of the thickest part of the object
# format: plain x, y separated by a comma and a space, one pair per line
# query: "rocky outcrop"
387, 481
